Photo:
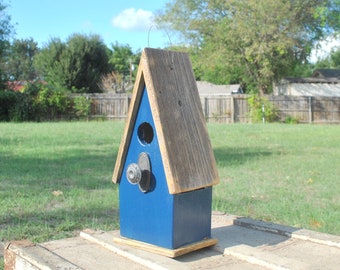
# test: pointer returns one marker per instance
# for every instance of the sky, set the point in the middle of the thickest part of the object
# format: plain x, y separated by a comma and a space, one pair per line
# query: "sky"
128, 22
326, 46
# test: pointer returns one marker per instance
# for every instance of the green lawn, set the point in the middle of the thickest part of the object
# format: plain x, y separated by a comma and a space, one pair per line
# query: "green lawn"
289, 174
55, 178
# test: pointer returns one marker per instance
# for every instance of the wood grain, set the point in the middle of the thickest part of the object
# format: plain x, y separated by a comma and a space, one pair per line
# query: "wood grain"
172, 253
185, 147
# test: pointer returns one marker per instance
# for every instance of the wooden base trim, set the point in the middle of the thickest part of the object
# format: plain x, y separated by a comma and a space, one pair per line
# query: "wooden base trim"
172, 253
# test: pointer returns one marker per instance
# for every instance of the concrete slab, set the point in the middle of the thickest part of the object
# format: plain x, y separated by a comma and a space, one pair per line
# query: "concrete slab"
277, 247
303, 234
26, 255
87, 255
243, 244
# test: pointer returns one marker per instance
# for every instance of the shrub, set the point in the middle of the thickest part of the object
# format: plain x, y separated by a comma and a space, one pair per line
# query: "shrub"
82, 106
24, 108
8, 100
41, 102
36, 102
257, 104
52, 103
59, 103
291, 120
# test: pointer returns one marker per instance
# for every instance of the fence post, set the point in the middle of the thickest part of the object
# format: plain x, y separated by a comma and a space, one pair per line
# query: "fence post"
206, 108
263, 115
232, 109
310, 110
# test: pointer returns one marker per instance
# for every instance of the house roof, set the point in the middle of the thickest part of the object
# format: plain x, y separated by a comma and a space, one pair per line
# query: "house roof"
16, 86
326, 73
324, 82
330, 76
314, 89
309, 80
186, 151
208, 89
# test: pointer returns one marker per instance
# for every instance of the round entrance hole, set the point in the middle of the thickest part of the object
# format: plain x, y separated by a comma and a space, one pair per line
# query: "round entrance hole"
145, 133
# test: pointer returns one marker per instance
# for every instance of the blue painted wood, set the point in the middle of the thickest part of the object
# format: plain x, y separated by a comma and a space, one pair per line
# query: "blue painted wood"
158, 217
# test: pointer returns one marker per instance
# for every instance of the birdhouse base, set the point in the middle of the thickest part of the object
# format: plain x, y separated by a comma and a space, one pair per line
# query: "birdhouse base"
172, 253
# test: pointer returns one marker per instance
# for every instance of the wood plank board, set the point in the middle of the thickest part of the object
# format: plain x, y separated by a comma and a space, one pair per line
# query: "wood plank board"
185, 147
127, 134
172, 253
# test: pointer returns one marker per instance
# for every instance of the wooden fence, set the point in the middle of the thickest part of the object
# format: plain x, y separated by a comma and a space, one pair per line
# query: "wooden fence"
308, 109
113, 107
234, 108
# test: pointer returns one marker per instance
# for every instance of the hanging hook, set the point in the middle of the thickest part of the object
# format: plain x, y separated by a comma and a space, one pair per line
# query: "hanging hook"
170, 42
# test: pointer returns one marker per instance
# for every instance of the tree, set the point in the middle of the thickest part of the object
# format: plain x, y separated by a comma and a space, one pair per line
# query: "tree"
48, 62
330, 61
19, 63
257, 42
76, 65
113, 82
6, 28
123, 60
335, 58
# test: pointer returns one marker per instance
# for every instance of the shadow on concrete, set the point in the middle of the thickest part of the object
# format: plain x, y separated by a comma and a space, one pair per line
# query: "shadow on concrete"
241, 232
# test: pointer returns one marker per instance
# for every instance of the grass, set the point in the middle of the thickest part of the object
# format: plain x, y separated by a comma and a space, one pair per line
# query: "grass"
55, 178
288, 174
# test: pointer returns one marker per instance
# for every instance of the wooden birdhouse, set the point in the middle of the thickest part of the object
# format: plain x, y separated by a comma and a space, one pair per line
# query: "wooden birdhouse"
165, 164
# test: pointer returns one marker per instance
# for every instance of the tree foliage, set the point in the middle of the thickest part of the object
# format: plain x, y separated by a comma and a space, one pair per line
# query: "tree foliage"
123, 64
42, 102
77, 65
6, 29
124, 61
261, 109
19, 61
330, 61
255, 42
121, 59
335, 59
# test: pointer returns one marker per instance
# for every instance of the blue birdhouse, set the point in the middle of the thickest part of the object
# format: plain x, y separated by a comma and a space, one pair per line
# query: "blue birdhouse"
165, 165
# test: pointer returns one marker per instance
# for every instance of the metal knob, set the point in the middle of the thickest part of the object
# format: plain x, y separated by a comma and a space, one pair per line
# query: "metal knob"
140, 173
134, 173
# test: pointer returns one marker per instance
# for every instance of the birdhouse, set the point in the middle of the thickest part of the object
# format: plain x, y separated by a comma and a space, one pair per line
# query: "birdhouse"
165, 165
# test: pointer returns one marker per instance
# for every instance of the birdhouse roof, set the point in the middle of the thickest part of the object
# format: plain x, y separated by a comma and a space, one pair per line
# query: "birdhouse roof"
184, 143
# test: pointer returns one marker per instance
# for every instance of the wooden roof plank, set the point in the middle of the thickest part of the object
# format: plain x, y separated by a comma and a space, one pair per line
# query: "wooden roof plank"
184, 143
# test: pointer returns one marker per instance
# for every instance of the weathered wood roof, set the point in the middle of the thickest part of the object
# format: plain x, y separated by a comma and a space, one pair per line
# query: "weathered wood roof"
326, 73
185, 147
308, 80
210, 89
